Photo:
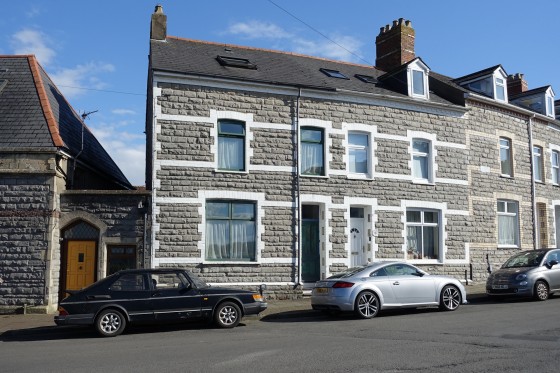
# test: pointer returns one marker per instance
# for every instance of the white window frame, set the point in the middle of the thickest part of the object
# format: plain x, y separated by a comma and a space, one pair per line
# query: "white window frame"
247, 119
325, 126
550, 110
428, 156
538, 163
423, 224
418, 66
555, 166
500, 83
508, 214
367, 148
509, 147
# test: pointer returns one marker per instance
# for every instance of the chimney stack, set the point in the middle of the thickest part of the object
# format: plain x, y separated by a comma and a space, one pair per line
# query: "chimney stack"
516, 84
395, 45
158, 27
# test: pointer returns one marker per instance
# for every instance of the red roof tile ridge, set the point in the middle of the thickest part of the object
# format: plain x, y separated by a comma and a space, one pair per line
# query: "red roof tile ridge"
16, 55
270, 50
44, 101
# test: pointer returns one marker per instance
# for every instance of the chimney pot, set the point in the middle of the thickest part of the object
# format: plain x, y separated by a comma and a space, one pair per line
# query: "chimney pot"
395, 45
158, 26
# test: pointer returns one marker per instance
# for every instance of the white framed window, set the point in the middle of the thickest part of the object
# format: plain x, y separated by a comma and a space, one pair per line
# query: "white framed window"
417, 76
550, 106
423, 234
506, 159
508, 223
421, 160
500, 89
231, 145
312, 157
358, 153
230, 231
418, 87
538, 166
555, 162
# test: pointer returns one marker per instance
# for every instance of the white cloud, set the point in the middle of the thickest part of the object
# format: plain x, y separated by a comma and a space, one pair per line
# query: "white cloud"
28, 41
70, 80
342, 47
258, 29
345, 48
123, 112
127, 150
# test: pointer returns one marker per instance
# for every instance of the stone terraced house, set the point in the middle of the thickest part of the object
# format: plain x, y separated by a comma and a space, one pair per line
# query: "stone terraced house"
68, 215
276, 168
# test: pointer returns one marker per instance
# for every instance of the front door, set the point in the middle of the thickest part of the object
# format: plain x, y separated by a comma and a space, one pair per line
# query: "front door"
80, 264
310, 244
357, 246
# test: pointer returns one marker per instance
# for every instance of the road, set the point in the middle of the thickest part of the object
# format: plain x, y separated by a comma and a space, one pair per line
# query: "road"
510, 336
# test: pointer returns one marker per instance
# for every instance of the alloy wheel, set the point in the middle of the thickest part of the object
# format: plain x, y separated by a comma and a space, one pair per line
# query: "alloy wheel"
367, 305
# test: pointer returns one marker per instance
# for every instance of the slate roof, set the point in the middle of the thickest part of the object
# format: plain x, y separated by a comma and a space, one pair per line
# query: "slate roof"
196, 57
530, 92
34, 114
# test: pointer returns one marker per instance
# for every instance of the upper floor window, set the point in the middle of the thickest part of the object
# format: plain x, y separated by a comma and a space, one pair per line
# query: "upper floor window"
358, 152
312, 151
421, 159
230, 231
418, 83
508, 223
555, 161
231, 145
550, 106
538, 166
422, 234
490, 82
506, 159
500, 89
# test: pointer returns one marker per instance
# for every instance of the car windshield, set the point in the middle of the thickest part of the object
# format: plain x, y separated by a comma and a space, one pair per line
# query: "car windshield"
527, 259
197, 281
348, 273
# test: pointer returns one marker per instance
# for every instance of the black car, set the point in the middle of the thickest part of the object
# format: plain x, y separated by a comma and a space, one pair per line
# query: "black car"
148, 295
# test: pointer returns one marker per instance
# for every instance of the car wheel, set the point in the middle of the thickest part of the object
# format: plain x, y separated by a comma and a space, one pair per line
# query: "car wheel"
227, 315
450, 298
110, 323
541, 291
367, 305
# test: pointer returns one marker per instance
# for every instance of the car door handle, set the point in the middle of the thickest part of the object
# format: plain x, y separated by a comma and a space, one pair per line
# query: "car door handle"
396, 283
95, 297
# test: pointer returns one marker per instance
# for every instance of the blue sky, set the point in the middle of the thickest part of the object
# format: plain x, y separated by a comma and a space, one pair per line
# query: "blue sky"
97, 51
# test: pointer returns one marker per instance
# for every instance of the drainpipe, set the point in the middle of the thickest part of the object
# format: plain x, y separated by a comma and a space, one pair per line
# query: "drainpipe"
533, 188
298, 204
76, 159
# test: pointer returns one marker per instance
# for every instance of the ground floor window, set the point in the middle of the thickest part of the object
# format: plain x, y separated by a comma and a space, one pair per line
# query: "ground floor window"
230, 231
120, 257
508, 223
422, 233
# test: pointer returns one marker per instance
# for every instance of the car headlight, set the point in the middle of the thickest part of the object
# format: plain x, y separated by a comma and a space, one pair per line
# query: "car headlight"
520, 277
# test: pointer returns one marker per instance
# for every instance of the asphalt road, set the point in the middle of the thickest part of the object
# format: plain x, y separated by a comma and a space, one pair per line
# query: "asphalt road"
510, 336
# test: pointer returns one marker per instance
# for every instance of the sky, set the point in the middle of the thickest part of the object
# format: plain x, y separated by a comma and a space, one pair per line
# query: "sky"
97, 51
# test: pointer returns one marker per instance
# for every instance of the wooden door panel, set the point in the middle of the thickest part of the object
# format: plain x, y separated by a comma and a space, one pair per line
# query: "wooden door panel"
80, 264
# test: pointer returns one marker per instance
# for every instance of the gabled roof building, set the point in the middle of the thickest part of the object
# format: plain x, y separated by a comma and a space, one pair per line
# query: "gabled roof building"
65, 205
279, 168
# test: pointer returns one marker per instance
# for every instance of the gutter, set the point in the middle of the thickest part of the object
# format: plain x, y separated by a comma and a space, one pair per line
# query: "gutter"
533, 187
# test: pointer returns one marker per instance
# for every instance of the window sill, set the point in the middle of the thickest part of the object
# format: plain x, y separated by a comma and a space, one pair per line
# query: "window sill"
506, 176
231, 172
424, 261
423, 182
314, 176
229, 263
359, 177
508, 247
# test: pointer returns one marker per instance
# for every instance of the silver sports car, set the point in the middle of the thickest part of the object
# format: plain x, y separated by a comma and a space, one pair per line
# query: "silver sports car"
383, 285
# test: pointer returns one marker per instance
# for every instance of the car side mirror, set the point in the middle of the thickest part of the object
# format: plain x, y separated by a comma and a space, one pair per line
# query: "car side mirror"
552, 263
419, 274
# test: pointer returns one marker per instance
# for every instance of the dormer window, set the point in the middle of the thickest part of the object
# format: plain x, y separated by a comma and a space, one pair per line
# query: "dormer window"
417, 73
490, 82
539, 100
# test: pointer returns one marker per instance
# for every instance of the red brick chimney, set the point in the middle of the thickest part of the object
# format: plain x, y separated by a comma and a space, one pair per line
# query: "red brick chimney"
395, 45
516, 84
158, 27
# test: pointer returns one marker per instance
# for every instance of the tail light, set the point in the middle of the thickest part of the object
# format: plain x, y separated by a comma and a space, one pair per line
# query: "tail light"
342, 284
62, 312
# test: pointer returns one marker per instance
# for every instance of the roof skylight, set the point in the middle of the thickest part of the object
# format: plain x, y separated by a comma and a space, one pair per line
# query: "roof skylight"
333, 73
366, 78
3, 83
236, 62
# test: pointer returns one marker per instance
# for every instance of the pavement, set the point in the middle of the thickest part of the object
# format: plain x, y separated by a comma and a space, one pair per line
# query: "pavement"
277, 309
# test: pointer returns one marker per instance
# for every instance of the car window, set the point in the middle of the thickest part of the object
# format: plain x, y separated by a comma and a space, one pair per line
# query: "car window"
400, 270
525, 259
129, 282
348, 273
379, 273
553, 255
167, 280
197, 281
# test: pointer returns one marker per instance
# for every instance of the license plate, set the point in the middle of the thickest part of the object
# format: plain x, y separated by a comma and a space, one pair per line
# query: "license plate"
497, 287
321, 290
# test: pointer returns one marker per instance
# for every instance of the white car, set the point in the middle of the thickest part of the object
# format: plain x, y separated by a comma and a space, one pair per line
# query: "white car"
384, 285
